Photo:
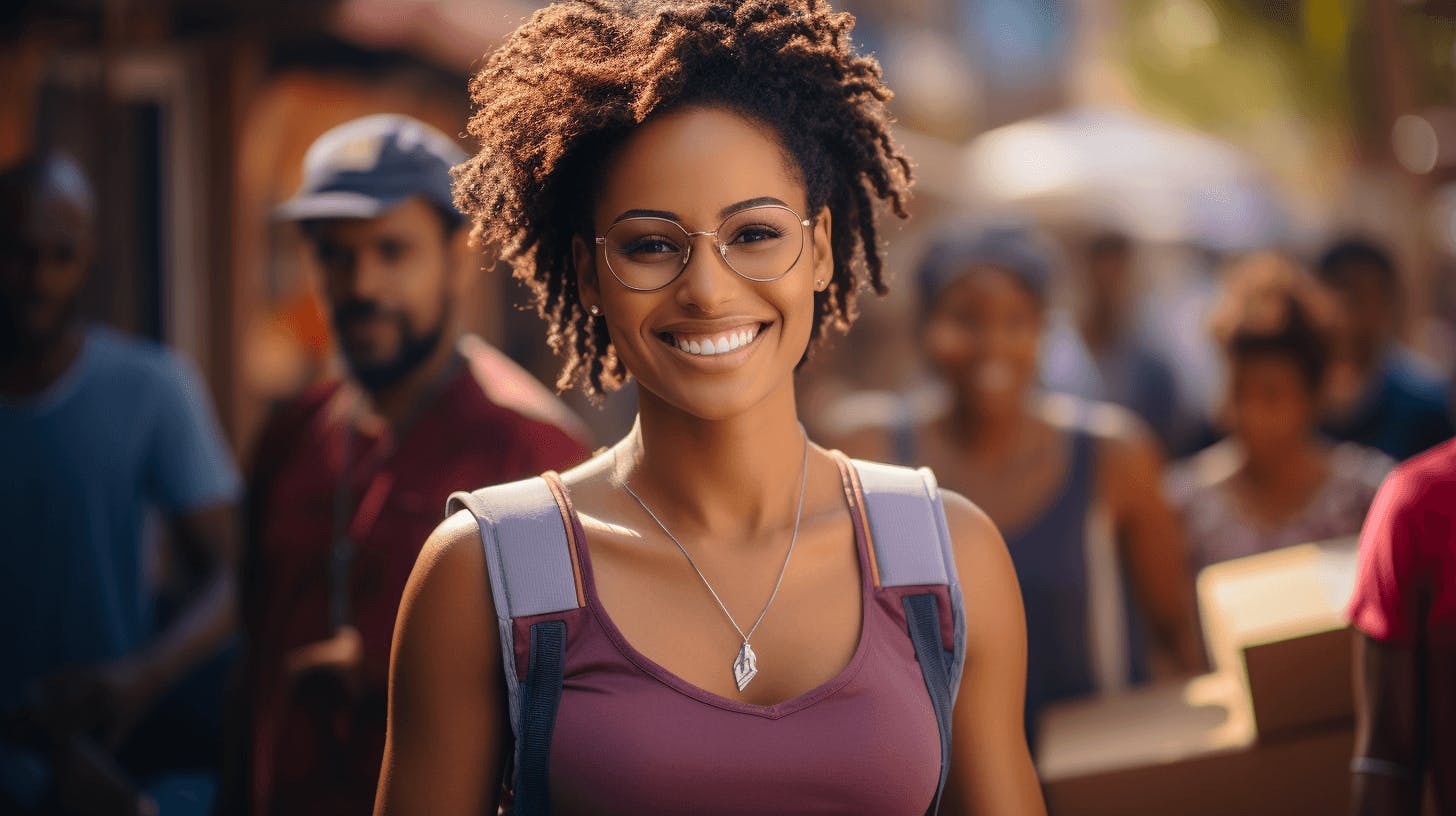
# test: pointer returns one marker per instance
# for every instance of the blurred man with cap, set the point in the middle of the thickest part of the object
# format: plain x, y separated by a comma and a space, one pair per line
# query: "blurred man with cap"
349, 479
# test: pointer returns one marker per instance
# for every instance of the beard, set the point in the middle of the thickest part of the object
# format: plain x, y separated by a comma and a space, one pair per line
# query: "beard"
23, 335
415, 346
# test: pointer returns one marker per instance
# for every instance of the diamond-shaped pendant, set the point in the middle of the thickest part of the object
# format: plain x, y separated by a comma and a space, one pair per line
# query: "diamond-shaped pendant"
745, 666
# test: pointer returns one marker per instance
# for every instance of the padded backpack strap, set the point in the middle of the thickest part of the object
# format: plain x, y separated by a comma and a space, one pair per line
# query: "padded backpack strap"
529, 543
910, 547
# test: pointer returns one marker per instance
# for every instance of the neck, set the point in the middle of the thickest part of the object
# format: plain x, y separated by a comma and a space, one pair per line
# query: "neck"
728, 477
989, 432
1100, 329
1281, 467
27, 373
396, 402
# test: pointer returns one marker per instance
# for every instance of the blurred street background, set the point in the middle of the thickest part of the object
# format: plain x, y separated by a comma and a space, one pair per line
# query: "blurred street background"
1200, 127
1154, 145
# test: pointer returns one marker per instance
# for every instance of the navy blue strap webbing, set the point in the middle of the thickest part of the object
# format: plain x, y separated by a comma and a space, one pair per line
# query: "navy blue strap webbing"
922, 617
540, 696
528, 547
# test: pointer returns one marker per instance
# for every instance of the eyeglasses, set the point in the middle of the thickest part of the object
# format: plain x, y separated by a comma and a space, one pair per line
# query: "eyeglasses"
759, 243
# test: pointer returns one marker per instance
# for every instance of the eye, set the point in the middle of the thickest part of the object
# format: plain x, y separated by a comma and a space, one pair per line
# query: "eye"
392, 250
649, 248
332, 256
756, 233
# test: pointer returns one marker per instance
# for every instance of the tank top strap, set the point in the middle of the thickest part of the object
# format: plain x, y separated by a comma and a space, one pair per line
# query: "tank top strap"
1082, 469
854, 497
902, 436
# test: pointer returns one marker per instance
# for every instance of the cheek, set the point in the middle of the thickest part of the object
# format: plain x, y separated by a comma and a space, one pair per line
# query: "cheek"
1273, 410
422, 290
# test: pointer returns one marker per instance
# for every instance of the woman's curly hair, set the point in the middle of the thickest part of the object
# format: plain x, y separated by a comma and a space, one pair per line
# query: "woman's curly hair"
578, 77
1271, 306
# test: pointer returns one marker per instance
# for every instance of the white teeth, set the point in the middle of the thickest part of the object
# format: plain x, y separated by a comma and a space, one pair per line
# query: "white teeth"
718, 345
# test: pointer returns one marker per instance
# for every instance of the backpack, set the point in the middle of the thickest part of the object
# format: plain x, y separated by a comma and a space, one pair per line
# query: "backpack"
530, 553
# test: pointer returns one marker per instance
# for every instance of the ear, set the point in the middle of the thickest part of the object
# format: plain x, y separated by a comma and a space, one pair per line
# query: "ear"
823, 248
583, 259
465, 260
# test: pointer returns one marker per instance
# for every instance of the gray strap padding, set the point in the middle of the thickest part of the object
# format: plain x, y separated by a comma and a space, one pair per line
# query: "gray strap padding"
528, 556
911, 540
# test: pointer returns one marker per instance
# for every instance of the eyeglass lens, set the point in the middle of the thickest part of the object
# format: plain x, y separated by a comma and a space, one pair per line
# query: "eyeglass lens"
759, 243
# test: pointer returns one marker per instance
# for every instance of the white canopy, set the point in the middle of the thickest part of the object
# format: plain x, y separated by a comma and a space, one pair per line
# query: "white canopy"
1157, 181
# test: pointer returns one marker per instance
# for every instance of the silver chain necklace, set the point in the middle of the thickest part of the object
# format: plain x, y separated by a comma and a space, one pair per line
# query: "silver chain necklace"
745, 665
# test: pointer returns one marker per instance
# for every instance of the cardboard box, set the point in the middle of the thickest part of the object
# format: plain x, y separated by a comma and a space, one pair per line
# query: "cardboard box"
1277, 621
1188, 749
1268, 733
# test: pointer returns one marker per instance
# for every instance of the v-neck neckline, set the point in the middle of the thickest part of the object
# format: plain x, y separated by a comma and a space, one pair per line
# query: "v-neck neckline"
660, 673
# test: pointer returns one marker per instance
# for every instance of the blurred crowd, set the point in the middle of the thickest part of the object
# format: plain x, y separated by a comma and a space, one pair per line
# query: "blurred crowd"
132, 682
185, 635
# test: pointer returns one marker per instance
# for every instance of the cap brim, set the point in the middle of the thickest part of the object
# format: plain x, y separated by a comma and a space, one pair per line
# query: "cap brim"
337, 204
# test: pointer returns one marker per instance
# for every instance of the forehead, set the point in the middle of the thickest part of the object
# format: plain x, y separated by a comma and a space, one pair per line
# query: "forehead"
988, 285
44, 217
412, 220
693, 163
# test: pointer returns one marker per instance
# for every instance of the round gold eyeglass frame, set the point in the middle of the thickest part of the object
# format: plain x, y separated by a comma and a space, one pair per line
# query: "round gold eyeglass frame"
687, 252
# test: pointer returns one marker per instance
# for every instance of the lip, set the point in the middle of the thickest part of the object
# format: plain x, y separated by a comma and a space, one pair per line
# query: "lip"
664, 335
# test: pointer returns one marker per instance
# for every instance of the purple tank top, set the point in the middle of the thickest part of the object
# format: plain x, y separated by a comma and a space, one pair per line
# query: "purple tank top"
633, 738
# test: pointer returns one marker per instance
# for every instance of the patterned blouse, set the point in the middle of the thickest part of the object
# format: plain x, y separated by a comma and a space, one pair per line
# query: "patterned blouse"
1218, 529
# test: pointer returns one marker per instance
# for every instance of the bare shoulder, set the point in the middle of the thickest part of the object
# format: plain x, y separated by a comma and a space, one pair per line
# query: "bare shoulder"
980, 552
969, 525
451, 553
1115, 428
447, 698
995, 622
448, 594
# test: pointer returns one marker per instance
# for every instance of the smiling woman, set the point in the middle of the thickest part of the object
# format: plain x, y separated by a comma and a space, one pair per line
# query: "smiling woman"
689, 190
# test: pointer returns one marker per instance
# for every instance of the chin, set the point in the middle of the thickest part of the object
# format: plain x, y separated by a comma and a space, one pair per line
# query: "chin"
714, 403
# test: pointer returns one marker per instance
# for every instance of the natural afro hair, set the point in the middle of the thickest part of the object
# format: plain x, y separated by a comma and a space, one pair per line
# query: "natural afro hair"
1272, 307
577, 78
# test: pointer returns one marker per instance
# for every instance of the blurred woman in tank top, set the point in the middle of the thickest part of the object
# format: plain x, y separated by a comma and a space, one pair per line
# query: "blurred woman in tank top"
1073, 485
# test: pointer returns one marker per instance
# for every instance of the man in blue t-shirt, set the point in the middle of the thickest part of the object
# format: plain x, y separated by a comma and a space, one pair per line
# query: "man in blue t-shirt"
1386, 398
99, 434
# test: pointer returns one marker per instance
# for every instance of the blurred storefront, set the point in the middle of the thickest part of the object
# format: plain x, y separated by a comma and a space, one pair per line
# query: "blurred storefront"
192, 118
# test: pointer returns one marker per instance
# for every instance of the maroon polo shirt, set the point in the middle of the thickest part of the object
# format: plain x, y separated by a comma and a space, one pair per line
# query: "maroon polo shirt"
1405, 592
316, 744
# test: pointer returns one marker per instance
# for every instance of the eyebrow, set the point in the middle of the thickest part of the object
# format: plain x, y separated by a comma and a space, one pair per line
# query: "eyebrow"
723, 213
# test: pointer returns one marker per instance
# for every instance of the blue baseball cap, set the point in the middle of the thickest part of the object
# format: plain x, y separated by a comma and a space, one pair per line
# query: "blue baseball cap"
366, 167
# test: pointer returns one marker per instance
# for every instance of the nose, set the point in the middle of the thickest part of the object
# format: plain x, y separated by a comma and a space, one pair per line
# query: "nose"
708, 281
364, 277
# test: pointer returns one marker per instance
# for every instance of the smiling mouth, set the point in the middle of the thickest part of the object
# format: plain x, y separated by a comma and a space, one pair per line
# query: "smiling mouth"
716, 343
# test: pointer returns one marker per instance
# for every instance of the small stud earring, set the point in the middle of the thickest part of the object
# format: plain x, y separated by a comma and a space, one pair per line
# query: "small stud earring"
819, 285
596, 311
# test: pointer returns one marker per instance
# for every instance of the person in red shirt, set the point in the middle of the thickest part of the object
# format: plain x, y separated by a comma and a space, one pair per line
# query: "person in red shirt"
350, 478
1404, 609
